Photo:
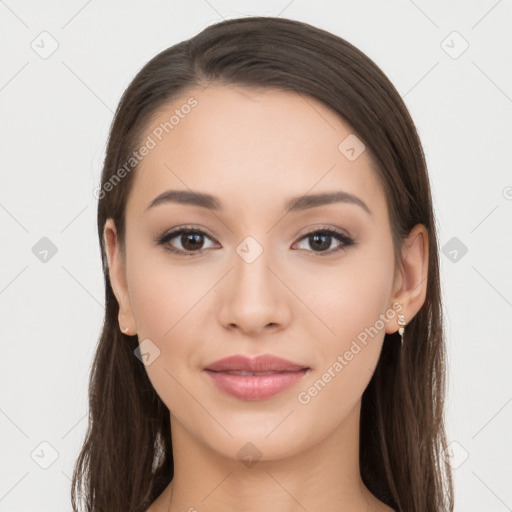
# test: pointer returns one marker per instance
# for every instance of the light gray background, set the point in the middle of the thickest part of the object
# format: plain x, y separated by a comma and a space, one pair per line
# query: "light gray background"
55, 115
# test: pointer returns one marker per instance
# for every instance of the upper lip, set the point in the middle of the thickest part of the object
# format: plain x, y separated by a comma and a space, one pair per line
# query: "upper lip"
262, 363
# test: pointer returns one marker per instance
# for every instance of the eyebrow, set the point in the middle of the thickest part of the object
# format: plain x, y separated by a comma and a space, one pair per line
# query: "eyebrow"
295, 204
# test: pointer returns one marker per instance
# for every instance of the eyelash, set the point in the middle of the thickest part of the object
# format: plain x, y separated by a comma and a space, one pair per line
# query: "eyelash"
346, 240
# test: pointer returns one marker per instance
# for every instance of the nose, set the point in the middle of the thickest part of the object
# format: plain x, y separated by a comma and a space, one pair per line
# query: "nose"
253, 299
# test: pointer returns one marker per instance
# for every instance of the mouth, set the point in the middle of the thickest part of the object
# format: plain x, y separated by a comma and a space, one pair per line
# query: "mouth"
244, 373
255, 379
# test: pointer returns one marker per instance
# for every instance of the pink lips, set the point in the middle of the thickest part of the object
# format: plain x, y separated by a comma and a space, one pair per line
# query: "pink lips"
257, 378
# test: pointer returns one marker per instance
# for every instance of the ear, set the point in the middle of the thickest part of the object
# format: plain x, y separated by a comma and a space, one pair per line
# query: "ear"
117, 274
411, 281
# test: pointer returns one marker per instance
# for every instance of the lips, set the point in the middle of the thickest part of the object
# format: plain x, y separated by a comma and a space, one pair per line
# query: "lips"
259, 364
257, 378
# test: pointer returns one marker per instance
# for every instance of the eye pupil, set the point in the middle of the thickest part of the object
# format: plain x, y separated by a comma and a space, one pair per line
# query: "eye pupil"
318, 240
192, 241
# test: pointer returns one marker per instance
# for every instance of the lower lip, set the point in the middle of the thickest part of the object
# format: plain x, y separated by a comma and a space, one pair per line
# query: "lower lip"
254, 387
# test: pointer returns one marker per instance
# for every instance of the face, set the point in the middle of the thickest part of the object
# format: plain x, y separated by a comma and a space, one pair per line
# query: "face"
311, 283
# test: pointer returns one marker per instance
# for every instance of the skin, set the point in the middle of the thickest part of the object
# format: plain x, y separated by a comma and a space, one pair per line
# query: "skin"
254, 150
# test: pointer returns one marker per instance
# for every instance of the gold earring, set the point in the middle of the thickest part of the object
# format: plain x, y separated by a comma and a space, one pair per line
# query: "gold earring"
401, 329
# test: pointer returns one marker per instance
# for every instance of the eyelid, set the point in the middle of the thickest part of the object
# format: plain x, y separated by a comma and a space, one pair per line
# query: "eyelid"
345, 240
175, 232
311, 229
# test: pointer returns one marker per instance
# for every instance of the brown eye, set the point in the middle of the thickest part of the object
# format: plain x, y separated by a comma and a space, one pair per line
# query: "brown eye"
320, 241
191, 241
185, 241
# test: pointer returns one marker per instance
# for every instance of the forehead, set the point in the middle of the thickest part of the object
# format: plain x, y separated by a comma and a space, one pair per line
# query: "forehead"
251, 146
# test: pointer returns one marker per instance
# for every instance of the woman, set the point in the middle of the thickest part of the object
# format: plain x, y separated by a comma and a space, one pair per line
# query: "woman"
273, 330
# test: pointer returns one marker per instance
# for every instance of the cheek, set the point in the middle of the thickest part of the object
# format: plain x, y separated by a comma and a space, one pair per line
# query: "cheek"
163, 295
348, 297
358, 305
168, 303
350, 303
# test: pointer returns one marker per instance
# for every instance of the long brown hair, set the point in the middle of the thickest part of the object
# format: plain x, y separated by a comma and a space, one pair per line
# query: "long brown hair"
126, 460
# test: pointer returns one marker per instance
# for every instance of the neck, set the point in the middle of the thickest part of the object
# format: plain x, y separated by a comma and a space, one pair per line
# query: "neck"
322, 477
